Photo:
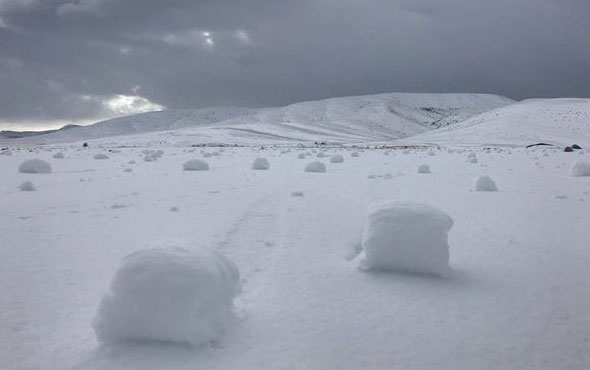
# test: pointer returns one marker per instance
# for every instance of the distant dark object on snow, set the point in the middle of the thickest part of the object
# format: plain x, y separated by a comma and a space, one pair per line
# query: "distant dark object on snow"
576, 146
538, 144
568, 149
85, 145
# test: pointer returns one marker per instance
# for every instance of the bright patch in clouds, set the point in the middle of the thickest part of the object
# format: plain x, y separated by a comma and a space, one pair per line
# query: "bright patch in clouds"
130, 104
191, 38
243, 37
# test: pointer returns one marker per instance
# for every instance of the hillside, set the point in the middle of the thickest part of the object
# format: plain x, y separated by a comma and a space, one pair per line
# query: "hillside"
553, 121
11, 134
345, 119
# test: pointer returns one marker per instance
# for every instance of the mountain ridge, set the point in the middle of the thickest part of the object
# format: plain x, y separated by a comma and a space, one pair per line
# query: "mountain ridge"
387, 116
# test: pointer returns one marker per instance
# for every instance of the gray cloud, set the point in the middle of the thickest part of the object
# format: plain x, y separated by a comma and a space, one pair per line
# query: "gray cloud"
85, 59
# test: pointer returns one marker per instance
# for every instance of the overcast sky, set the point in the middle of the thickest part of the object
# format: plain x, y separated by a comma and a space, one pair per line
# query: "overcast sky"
64, 61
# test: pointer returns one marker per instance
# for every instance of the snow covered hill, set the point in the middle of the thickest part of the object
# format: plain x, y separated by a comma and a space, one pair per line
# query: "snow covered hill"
344, 119
553, 121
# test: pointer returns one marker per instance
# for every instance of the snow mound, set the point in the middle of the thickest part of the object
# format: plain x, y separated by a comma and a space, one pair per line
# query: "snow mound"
27, 186
260, 164
485, 183
406, 237
169, 294
315, 167
195, 165
34, 166
580, 169
423, 168
296, 193
336, 159
101, 156
59, 155
354, 154
301, 155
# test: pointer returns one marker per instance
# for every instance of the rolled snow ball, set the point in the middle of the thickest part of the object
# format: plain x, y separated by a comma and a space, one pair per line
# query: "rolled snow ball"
301, 155
34, 166
27, 186
471, 158
260, 164
297, 194
315, 167
101, 156
354, 154
169, 295
59, 155
580, 169
406, 237
336, 159
485, 183
423, 168
195, 165
321, 155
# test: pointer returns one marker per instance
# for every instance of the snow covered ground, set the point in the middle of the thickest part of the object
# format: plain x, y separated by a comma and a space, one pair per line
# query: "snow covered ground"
517, 296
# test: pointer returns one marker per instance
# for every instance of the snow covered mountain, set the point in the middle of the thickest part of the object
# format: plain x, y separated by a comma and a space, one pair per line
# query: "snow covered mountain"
553, 121
344, 119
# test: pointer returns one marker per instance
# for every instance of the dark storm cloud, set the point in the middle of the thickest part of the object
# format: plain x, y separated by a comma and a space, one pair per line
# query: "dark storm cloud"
88, 59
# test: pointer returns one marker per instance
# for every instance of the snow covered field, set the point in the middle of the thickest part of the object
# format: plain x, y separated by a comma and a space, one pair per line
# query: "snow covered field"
511, 222
517, 296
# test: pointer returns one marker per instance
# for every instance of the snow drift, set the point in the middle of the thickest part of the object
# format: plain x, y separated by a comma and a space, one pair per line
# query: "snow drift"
580, 168
337, 159
195, 165
485, 183
260, 164
406, 237
316, 166
169, 294
34, 166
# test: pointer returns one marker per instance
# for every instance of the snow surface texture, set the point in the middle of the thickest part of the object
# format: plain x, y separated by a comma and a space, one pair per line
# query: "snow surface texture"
195, 165
316, 166
406, 237
580, 168
260, 164
34, 166
344, 119
484, 183
169, 294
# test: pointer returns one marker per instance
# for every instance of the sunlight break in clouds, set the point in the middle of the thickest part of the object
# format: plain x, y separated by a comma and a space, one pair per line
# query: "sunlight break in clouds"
130, 104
